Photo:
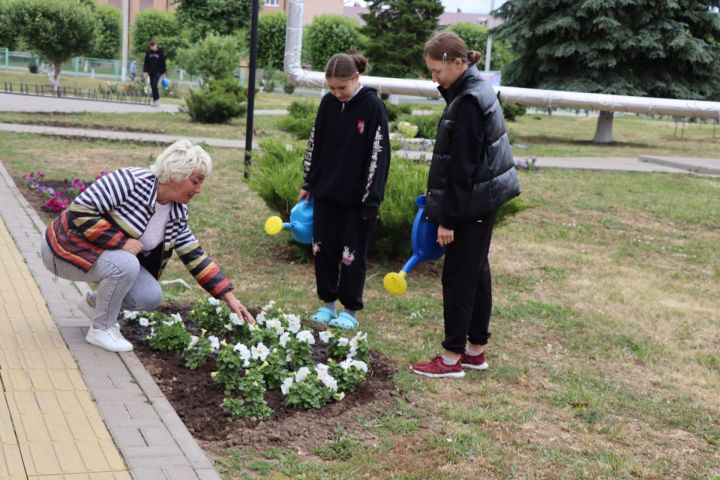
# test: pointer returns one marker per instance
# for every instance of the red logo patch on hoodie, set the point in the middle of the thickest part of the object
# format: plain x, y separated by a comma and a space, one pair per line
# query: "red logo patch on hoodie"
360, 126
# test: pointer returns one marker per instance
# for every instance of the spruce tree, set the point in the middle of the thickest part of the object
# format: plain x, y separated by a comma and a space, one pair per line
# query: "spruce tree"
656, 48
397, 31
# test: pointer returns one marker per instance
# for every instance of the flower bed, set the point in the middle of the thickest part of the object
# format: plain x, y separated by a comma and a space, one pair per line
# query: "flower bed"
252, 359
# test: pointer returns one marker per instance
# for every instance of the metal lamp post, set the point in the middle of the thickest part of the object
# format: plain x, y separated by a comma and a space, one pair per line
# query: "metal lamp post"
251, 87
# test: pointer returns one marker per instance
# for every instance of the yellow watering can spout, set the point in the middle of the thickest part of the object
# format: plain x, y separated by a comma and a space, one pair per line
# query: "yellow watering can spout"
395, 283
273, 225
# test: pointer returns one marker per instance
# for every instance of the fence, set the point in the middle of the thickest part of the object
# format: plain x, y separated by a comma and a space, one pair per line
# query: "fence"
102, 68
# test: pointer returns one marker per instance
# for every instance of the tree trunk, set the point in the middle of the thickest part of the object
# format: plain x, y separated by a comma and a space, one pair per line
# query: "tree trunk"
56, 76
603, 131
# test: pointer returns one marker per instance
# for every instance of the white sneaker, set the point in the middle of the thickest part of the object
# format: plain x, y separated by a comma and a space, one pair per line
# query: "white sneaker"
110, 339
86, 306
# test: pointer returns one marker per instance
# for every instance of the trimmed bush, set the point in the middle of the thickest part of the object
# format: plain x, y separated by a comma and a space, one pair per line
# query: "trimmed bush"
394, 111
427, 124
512, 111
300, 120
220, 102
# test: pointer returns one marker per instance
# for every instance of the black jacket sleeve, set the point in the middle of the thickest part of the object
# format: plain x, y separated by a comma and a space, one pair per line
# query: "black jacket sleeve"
146, 63
163, 67
378, 163
466, 146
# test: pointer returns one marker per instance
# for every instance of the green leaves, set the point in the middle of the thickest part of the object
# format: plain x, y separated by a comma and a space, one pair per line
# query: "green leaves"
331, 34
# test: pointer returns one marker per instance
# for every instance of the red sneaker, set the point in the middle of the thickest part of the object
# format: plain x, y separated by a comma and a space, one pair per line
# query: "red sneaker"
476, 362
437, 368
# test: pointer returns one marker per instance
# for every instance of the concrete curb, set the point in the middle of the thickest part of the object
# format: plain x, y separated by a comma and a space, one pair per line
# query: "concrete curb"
698, 165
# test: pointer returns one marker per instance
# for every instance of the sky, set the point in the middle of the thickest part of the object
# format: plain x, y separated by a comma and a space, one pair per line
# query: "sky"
467, 6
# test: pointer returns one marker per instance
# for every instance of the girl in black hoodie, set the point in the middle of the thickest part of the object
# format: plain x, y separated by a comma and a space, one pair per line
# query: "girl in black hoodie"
346, 166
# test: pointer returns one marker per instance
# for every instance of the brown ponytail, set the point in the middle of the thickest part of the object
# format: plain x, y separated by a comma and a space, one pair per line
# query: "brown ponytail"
345, 65
447, 46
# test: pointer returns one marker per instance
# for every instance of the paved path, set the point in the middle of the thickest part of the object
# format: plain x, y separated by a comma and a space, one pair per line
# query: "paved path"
31, 103
68, 409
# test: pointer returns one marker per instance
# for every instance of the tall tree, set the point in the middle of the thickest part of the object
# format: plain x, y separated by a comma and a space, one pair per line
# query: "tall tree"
658, 48
163, 27
397, 31
109, 30
475, 36
271, 40
331, 34
57, 30
9, 27
220, 17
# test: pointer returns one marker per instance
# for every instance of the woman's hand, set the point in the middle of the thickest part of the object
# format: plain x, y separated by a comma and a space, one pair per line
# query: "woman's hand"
304, 194
238, 307
133, 246
445, 236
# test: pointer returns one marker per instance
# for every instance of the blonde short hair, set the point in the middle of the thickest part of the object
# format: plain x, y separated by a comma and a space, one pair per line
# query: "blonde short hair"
180, 160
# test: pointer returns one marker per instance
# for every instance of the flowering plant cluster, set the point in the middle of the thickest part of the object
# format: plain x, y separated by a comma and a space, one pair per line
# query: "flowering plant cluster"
56, 199
407, 129
275, 353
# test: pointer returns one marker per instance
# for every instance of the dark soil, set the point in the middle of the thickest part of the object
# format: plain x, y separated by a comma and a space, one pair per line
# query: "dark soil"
197, 398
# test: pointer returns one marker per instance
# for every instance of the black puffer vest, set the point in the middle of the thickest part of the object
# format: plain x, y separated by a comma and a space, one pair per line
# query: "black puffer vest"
495, 179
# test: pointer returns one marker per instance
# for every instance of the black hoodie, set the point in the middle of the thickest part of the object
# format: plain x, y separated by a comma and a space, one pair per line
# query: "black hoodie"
154, 63
348, 154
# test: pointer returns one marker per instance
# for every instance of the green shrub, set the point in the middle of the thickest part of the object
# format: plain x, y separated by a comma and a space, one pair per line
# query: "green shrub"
288, 88
394, 111
301, 108
427, 124
511, 111
221, 101
300, 120
277, 176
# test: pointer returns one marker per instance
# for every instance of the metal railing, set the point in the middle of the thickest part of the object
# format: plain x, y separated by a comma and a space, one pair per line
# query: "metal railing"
110, 94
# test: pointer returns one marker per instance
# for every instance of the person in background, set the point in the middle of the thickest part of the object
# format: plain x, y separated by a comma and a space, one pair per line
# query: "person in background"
472, 174
133, 70
345, 168
120, 233
154, 68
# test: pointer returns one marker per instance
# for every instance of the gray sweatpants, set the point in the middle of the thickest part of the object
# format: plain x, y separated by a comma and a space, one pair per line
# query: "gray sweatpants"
122, 283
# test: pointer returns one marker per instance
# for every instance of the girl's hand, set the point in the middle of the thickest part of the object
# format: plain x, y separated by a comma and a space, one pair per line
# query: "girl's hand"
238, 307
133, 246
304, 194
445, 236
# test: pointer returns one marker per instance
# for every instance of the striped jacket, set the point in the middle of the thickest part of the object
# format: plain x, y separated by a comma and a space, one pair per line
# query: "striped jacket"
118, 206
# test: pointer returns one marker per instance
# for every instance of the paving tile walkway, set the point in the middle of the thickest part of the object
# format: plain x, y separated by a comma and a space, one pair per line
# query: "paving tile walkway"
68, 409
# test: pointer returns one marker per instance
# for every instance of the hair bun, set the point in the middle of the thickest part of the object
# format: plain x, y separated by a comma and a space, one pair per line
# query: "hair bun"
473, 57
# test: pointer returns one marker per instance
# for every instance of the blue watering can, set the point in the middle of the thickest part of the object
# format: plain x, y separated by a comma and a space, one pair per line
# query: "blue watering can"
165, 82
300, 224
424, 248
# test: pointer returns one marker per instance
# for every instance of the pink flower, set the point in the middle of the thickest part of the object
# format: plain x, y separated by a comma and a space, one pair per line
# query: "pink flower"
348, 257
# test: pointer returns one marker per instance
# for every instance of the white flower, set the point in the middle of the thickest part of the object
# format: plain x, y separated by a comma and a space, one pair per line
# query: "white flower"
306, 336
284, 339
293, 323
193, 341
260, 352
329, 382
360, 365
340, 396
325, 336
236, 320
286, 385
345, 364
244, 353
321, 369
144, 322
302, 374
288, 358
229, 327
152, 333
260, 319
343, 342
274, 324
218, 310
213, 301
176, 317
214, 342
269, 305
130, 315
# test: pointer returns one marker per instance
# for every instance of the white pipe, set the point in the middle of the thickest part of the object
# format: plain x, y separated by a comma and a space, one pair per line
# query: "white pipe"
523, 96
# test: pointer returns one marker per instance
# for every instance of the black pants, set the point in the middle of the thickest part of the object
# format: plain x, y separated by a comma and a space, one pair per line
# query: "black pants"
154, 79
340, 242
467, 287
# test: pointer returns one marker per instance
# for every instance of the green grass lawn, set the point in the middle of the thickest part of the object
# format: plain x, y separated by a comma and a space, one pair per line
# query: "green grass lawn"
605, 358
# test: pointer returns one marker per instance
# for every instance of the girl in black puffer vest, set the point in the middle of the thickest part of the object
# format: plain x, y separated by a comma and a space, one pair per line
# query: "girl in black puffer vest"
471, 175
